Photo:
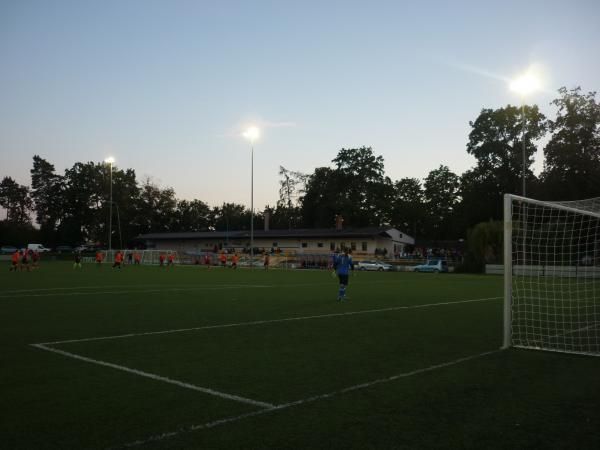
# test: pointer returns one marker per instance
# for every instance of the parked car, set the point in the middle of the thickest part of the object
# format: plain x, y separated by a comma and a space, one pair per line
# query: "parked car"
374, 265
8, 249
64, 249
37, 248
434, 265
83, 248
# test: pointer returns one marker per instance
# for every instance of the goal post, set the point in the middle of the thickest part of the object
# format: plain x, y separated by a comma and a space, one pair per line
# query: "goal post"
552, 275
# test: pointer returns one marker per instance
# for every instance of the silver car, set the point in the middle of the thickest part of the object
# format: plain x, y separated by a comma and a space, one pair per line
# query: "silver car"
374, 265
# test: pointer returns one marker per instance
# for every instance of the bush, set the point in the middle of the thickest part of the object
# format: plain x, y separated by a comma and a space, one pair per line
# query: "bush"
484, 246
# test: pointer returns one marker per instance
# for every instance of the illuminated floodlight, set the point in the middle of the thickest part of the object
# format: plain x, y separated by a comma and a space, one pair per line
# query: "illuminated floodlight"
251, 134
110, 160
525, 84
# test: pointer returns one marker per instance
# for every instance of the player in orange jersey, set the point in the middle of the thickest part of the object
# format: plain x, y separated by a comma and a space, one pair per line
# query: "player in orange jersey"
118, 260
14, 261
99, 258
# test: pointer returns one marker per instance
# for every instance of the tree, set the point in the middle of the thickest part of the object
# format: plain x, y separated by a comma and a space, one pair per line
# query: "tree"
47, 189
323, 198
16, 200
291, 186
441, 197
357, 189
155, 208
192, 215
367, 191
408, 206
233, 216
572, 164
82, 202
496, 143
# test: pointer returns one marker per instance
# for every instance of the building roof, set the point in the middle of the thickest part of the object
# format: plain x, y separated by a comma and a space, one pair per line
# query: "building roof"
296, 233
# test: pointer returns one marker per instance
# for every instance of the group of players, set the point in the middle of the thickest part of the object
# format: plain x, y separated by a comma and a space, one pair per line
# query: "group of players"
20, 260
234, 260
119, 260
24, 260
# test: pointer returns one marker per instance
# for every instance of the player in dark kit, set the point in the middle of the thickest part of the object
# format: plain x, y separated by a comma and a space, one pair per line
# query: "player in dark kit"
342, 265
77, 261
25, 260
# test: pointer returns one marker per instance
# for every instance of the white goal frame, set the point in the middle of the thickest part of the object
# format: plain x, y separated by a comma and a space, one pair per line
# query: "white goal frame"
551, 302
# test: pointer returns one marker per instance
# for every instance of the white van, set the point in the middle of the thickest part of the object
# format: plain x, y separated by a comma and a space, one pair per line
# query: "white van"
37, 248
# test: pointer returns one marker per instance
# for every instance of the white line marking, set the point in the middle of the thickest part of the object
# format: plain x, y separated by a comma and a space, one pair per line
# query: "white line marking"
152, 376
23, 293
314, 398
593, 326
262, 322
167, 289
138, 291
18, 291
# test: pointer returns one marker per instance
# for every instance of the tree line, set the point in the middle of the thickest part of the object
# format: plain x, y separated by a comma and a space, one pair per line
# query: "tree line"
72, 207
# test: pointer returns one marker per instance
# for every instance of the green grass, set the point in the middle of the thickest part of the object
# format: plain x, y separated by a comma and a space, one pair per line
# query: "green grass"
505, 399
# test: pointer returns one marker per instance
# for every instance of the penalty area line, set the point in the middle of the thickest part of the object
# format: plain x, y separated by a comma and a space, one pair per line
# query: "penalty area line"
155, 377
137, 291
223, 421
267, 321
23, 294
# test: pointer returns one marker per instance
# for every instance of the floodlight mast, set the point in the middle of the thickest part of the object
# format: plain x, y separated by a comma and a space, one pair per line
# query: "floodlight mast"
252, 134
110, 160
524, 85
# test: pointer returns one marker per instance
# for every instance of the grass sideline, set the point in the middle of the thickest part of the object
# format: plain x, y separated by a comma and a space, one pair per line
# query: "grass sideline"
332, 366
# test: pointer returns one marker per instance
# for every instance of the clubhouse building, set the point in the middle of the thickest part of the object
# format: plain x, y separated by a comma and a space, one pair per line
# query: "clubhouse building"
365, 241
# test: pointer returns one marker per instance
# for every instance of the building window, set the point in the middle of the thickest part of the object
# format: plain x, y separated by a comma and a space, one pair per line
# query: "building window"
353, 246
332, 246
364, 246
320, 244
304, 244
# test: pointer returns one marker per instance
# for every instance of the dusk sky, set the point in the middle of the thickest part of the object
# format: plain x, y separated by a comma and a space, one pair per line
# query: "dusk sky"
167, 87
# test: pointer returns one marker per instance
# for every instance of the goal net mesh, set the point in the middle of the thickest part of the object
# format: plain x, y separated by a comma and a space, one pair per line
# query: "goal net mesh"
553, 288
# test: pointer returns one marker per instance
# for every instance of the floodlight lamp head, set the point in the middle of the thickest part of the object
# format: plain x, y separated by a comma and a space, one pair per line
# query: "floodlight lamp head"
110, 160
525, 84
252, 134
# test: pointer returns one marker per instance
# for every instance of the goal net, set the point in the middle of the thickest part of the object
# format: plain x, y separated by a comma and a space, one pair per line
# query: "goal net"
147, 257
552, 275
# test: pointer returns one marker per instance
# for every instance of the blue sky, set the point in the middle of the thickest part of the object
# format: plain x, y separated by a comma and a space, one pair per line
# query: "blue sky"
166, 87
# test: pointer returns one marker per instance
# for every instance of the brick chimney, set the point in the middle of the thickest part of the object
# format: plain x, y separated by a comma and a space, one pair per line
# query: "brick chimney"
339, 220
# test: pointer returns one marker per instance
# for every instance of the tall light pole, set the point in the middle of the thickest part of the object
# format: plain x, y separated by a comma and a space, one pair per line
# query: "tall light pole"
110, 160
252, 134
524, 85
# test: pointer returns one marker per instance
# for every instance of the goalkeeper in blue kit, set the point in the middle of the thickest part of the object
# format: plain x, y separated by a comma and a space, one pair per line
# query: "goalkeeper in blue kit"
342, 264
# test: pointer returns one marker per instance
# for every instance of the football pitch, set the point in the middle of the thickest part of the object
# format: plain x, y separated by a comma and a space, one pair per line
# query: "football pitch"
192, 358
